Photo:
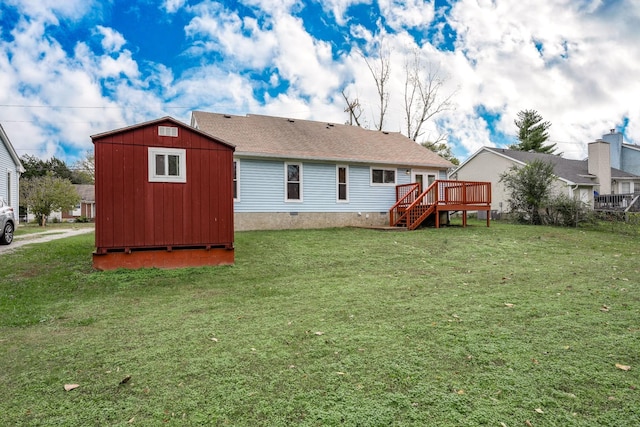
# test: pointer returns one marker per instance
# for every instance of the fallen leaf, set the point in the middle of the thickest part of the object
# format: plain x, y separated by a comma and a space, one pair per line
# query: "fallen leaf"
623, 367
214, 339
125, 379
604, 309
503, 425
460, 392
540, 411
69, 387
319, 333
131, 420
508, 305
340, 373
527, 422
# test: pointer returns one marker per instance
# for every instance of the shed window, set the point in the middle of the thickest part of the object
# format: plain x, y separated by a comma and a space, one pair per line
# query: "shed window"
383, 176
167, 165
168, 131
293, 190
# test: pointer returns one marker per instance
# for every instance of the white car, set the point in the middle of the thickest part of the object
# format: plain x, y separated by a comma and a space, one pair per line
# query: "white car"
7, 223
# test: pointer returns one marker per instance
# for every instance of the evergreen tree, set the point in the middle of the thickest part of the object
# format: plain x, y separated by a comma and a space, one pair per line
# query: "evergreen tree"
532, 133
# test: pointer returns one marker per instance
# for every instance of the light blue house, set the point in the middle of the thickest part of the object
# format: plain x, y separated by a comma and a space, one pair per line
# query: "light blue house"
10, 170
625, 157
306, 174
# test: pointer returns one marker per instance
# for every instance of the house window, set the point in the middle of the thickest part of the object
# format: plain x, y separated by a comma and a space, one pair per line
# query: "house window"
167, 165
294, 182
342, 183
625, 187
168, 131
236, 173
383, 176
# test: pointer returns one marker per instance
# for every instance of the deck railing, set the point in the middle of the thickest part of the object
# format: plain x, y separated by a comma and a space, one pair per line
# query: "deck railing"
617, 202
411, 207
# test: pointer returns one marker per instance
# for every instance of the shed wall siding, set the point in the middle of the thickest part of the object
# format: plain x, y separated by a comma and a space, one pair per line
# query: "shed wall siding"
262, 187
133, 212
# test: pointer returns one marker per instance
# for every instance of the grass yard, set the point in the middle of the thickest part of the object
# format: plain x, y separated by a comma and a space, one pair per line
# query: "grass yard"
501, 326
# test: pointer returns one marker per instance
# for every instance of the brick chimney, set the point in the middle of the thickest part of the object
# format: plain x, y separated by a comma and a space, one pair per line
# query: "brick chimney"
599, 164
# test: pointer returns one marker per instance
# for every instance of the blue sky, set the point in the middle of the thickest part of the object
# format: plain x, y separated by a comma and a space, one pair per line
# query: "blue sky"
73, 68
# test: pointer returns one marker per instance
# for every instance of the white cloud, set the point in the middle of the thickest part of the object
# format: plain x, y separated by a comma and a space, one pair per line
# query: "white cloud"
172, 6
401, 14
112, 40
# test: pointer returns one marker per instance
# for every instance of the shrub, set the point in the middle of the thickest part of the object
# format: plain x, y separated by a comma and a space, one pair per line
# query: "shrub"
564, 211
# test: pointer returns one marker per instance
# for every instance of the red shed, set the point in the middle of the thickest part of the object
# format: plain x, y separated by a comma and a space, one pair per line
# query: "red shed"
164, 197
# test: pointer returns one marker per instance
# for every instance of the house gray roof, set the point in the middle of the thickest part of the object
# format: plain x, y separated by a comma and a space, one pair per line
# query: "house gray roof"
575, 171
277, 137
87, 192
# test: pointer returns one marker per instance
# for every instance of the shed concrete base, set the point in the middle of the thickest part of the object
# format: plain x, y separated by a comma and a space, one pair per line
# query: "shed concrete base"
163, 259
245, 221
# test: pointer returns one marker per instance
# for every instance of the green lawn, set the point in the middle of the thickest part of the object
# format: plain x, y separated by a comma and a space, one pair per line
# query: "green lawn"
508, 325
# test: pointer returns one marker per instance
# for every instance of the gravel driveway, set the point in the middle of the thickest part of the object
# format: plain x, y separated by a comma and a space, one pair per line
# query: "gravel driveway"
47, 236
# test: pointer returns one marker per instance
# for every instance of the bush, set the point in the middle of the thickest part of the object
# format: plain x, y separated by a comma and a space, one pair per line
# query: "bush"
83, 219
567, 212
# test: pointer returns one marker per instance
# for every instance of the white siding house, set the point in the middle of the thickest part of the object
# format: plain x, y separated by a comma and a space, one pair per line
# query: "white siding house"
10, 170
307, 174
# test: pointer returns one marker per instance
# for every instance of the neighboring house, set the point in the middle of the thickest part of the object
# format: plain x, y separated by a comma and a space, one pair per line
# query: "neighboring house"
10, 170
291, 173
86, 208
579, 179
163, 197
625, 157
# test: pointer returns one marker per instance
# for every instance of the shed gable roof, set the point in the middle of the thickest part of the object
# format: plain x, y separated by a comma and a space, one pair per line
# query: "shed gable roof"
162, 120
266, 136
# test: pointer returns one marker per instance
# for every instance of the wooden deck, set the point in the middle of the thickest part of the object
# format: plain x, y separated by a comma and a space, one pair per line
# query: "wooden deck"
412, 207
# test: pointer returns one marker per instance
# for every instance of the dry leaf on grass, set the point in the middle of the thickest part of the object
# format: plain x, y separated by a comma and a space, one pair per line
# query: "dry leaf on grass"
604, 309
319, 333
623, 367
539, 410
69, 387
527, 422
508, 305
125, 379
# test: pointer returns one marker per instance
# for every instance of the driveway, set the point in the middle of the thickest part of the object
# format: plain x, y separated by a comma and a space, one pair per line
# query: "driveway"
46, 236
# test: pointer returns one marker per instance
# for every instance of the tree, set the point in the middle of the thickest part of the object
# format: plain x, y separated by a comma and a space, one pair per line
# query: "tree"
422, 99
45, 194
84, 170
380, 69
529, 188
442, 150
532, 133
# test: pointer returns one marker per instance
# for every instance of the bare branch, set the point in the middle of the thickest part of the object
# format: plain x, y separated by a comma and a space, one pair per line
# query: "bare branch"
354, 109
380, 71
422, 100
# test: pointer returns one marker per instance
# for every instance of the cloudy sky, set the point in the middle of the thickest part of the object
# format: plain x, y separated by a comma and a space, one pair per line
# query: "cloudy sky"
73, 68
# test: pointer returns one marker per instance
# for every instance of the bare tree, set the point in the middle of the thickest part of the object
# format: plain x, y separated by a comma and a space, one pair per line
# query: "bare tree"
380, 69
422, 100
354, 109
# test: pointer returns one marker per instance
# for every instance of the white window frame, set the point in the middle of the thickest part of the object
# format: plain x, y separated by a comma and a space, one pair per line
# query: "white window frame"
182, 164
346, 183
383, 169
286, 182
171, 131
236, 179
